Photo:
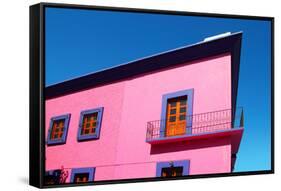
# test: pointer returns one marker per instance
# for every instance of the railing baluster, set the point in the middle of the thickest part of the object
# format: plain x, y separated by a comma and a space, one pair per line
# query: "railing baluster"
201, 123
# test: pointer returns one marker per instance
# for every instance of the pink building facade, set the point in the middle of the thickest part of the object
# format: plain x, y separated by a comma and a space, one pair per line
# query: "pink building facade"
171, 114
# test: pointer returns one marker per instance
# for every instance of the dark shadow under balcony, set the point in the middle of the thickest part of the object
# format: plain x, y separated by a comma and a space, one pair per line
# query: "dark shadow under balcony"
197, 126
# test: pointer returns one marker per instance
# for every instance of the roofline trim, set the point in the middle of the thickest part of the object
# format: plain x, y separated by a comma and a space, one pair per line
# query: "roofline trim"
187, 54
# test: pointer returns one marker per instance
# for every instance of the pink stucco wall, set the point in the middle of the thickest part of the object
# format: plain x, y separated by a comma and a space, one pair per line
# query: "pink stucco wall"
121, 151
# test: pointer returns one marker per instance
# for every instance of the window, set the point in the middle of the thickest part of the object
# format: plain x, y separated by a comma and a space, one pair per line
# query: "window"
90, 124
52, 177
81, 175
172, 168
176, 107
58, 130
171, 171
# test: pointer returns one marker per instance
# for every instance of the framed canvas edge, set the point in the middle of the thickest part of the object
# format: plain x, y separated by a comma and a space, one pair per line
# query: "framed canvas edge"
37, 98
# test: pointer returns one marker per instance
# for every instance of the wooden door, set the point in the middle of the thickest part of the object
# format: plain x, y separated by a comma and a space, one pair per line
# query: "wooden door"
172, 171
81, 177
176, 116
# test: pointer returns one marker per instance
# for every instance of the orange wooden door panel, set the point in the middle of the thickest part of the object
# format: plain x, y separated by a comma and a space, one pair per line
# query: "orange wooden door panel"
172, 171
81, 178
176, 116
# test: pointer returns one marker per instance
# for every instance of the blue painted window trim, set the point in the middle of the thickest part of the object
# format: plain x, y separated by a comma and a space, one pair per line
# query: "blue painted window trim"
189, 93
182, 163
90, 170
81, 137
50, 141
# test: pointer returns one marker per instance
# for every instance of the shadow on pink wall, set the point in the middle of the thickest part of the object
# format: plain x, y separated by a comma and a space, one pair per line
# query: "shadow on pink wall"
186, 145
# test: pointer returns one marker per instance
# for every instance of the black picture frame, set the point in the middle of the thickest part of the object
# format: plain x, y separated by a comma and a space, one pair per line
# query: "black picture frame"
37, 93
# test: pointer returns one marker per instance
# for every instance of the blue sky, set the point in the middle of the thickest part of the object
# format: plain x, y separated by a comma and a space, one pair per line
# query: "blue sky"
79, 42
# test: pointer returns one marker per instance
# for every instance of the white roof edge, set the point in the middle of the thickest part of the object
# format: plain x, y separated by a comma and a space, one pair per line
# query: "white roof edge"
217, 36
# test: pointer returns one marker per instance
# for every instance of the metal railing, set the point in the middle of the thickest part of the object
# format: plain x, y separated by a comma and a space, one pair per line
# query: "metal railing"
196, 124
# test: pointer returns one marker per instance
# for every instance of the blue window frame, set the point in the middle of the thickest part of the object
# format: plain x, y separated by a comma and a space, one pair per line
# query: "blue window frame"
90, 130
57, 132
189, 93
90, 172
185, 164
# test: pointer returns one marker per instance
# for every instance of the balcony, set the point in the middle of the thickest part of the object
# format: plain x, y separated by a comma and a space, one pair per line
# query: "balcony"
197, 126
